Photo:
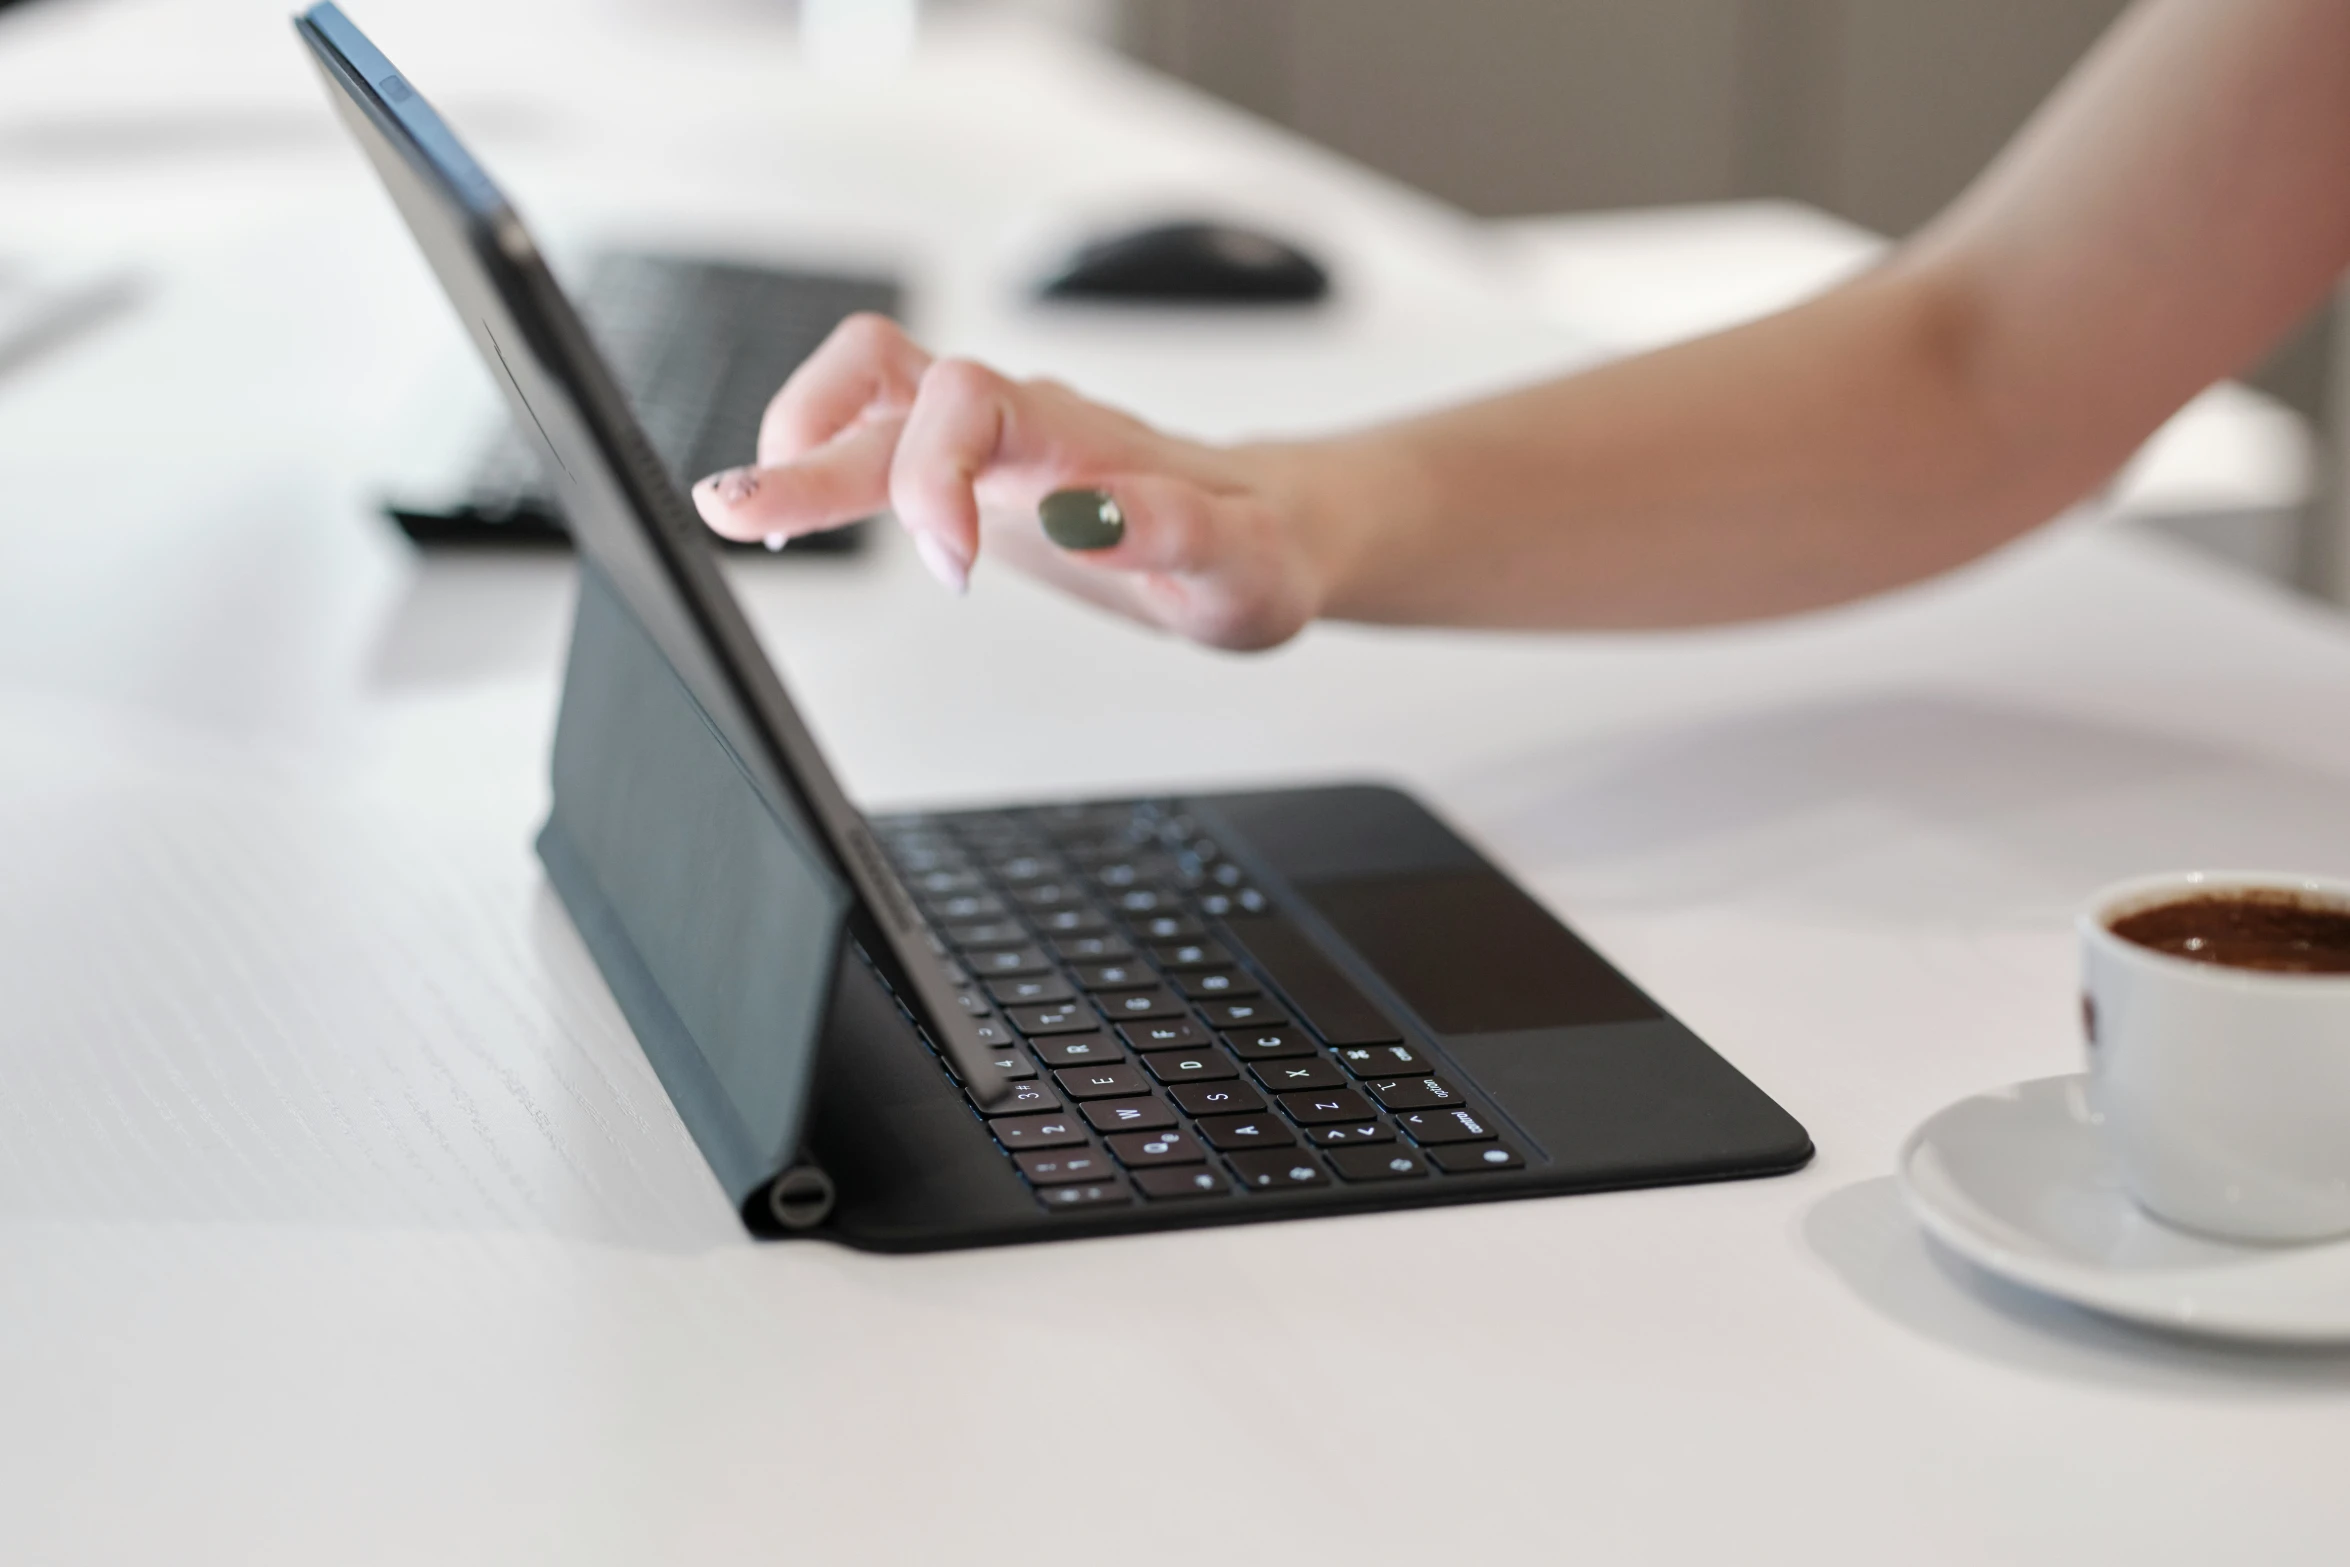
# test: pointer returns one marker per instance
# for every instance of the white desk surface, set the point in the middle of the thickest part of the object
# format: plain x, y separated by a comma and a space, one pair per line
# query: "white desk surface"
341, 1220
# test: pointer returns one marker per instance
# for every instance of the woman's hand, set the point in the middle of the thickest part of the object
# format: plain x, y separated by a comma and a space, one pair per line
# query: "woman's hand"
1220, 545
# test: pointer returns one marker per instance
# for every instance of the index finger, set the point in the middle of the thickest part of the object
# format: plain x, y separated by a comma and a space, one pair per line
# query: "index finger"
867, 362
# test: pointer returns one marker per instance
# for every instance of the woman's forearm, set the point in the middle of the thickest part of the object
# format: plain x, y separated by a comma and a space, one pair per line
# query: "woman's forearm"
1806, 459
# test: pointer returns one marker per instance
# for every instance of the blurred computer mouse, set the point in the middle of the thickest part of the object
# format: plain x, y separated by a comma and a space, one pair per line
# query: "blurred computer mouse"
1190, 263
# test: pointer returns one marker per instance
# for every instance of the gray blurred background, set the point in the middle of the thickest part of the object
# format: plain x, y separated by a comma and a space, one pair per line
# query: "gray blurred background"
1878, 111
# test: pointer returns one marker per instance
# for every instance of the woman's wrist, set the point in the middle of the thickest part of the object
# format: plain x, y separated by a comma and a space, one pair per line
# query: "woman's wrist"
1346, 502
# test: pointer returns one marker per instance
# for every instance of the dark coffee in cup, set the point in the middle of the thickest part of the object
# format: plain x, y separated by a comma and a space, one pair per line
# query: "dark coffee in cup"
2219, 1070
2275, 930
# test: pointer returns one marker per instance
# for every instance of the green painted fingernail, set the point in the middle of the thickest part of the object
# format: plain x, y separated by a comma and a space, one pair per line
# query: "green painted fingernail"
1082, 519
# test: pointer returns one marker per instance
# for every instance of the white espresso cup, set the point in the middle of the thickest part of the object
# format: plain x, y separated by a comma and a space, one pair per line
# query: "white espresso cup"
2223, 1093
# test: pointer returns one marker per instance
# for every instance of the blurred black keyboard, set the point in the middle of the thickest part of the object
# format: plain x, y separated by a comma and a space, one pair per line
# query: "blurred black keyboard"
698, 347
1172, 1038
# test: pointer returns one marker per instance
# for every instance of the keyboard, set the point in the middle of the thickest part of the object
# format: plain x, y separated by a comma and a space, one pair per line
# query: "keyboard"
699, 347
1172, 1036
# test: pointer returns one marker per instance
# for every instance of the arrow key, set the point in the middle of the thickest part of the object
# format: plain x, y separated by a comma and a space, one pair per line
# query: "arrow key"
1368, 1130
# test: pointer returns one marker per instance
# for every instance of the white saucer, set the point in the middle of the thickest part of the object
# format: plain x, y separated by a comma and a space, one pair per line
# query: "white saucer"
2016, 1182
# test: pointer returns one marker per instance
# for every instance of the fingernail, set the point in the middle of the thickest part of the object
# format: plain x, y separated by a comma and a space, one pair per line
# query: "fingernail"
943, 563
1082, 519
776, 541
734, 486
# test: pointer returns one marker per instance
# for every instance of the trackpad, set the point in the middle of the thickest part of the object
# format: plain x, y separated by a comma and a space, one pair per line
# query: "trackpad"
1471, 954
1628, 1099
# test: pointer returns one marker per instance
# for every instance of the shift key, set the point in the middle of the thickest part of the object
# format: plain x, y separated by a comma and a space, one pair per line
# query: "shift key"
1412, 1093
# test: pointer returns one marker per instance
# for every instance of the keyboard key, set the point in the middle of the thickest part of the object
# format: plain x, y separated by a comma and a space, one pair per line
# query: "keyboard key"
1129, 975
1014, 1066
1044, 895
1243, 1014
1230, 1132
1112, 1081
1382, 1060
1026, 1098
1217, 1098
1068, 1018
1192, 954
947, 883
1168, 927
1171, 1034
1314, 1109
1022, 868
1462, 1159
1215, 983
991, 1032
913, 866
1030, 990
1392, 1163
1220, 905
1270, 1044
987, 933
968, 906
1142, 1003
1134, 871
1282, 1076
1460, 1124
1192, 1066
997, 851
1141, 901
1345, 1133
1143, 1150
1092, 949
973, 1003
1127, 1115
1005, 962
1037, 1131
1274, 1170
1078, 1049
1055, 1167
1071, 922
1092, 1195
1184, 1181
1411, 1093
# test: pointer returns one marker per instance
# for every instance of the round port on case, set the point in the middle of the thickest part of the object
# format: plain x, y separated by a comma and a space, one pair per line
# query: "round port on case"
801, 1197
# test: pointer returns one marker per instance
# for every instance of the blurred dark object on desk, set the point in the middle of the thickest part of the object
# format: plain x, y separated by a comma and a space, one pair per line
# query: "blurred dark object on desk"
699, 347
1190, 262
